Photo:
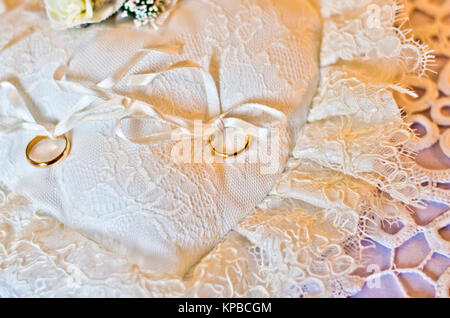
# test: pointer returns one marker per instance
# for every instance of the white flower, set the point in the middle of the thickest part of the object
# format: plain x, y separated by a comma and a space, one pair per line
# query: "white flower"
69, 13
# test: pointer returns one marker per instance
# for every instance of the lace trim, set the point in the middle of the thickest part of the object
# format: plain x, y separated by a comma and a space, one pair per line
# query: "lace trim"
350, 173
372, 31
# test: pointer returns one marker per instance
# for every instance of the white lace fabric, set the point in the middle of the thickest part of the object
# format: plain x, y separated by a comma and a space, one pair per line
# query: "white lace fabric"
347, 190
136, 200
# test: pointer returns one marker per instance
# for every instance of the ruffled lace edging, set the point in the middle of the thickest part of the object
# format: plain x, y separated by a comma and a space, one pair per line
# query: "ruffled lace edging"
351, 171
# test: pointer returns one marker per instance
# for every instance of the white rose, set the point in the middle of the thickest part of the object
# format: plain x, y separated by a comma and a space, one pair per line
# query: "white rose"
69, 13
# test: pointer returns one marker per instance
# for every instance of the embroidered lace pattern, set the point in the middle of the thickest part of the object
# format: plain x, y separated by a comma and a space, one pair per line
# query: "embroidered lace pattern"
341, 220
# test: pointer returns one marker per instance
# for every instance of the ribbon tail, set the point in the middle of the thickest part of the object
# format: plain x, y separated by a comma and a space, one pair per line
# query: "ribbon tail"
10, 125
105, 111
111, 81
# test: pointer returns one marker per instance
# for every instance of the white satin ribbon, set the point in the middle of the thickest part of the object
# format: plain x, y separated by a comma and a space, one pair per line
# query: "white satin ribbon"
109, 82
87, 109
181, 127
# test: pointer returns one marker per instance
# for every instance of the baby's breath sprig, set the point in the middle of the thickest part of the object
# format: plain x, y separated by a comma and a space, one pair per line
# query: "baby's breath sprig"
144, 11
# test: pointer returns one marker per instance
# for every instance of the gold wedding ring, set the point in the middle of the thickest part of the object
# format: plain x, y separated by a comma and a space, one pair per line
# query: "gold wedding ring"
45, 164
228, 155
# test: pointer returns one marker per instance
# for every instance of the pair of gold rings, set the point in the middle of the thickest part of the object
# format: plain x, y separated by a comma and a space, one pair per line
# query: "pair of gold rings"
65, 152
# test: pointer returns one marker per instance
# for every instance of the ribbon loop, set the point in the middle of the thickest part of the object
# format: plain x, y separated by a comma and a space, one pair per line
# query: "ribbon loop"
181, 127
88, 108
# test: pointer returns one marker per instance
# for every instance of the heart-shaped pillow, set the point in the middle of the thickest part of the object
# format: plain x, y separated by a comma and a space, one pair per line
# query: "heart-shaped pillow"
256, 65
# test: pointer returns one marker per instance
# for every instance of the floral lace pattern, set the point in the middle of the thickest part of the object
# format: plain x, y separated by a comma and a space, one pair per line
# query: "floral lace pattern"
137, 202
341, 221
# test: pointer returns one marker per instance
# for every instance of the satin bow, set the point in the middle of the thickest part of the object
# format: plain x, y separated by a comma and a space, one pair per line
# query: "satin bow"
178, 127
